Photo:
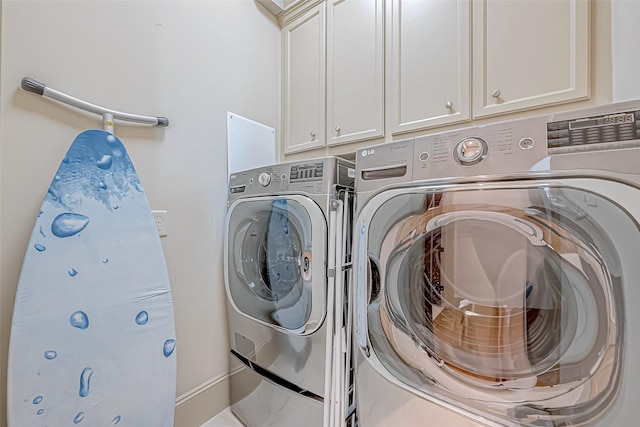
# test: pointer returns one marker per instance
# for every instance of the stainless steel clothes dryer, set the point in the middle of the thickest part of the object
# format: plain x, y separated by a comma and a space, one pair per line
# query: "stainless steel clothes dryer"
497, 275
284, 252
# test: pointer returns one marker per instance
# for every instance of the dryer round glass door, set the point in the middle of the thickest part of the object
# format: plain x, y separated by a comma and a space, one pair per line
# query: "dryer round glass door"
510, 295
272, 274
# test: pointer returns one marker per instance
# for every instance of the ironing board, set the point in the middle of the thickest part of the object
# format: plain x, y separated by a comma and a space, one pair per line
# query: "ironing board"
93, 338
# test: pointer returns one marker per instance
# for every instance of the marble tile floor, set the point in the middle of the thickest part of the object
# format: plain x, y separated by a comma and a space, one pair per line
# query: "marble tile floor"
224, 419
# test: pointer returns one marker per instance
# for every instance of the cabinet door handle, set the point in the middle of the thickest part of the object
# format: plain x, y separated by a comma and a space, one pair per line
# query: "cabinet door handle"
313, 134
448, 104
337, 128
495, 93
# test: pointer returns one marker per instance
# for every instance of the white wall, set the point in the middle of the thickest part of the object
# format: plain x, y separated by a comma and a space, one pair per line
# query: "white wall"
625, 32
190, 61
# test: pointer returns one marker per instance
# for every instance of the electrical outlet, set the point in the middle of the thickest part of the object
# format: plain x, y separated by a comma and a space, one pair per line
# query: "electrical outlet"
160, 217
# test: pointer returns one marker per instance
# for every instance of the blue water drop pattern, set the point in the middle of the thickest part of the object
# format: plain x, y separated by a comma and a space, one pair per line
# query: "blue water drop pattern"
116, 420
40, 411
105, 162
96, 167
78, 418
68, 224
169, 346
37, 400
39, 247
53, 195
85, 379
50, 355
105, 260
79, 320
42, 232
142, 318
72, 272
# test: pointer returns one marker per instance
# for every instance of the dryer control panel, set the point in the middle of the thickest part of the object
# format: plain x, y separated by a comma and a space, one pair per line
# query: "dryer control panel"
605, 138
496, 148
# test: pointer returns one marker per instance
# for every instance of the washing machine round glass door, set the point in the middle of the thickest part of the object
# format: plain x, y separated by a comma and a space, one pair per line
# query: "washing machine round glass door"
504, 299
275, 261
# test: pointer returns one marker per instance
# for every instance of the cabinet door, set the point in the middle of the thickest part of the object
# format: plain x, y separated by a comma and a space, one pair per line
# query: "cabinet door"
429, 63
303, 47
529, 53
355, 70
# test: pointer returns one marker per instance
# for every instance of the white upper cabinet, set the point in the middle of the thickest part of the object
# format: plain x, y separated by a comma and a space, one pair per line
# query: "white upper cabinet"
528, 54
303, 47
430, 63
355, 70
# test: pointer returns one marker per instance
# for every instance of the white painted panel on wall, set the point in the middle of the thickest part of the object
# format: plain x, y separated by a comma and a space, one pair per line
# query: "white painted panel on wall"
249, 144
626, 63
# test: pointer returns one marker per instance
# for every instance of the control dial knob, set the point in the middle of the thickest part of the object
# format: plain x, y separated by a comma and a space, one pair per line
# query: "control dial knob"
264, 179
470, 150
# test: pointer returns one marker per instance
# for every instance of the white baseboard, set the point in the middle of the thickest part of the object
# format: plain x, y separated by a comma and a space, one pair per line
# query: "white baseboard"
197, 406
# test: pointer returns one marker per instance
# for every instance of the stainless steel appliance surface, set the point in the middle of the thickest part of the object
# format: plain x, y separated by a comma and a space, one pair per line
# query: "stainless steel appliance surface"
284, 250
496, 274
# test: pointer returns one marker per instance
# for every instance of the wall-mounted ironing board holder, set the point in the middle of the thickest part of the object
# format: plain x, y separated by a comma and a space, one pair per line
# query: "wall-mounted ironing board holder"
108, 115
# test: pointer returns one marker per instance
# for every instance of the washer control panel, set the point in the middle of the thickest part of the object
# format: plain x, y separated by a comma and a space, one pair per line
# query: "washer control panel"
308, 177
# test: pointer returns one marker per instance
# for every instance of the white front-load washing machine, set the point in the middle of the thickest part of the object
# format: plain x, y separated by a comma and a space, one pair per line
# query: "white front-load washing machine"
287, 239
497, 275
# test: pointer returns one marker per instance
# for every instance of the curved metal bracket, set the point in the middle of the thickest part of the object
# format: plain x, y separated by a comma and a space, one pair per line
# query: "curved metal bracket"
31, 85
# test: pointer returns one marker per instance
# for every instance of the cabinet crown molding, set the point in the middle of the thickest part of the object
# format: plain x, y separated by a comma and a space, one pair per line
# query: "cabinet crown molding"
294, 10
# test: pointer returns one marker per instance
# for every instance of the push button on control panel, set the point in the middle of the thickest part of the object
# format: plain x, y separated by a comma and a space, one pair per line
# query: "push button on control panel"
526, 143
